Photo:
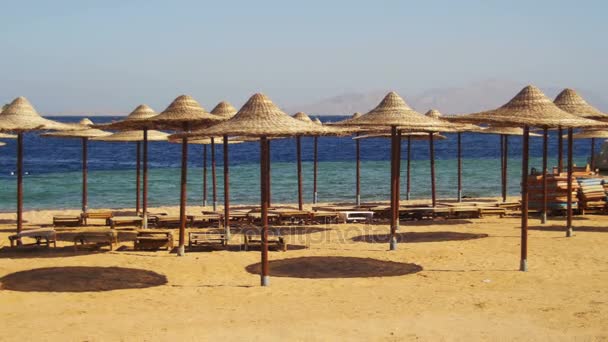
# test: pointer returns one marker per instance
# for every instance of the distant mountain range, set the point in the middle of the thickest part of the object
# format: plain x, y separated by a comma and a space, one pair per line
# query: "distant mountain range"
455, 100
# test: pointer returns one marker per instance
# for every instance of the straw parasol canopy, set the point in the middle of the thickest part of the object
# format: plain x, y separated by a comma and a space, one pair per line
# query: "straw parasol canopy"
317, 121
302, 117
590, 134
570, 101
530, 107
346, 121
260, 117
184, 110
412, 135
394, 112
20, 116
224, 109
85, 122
135, 120
134, 136
503, 131
7, 136
207, 141
81, 133
435, 114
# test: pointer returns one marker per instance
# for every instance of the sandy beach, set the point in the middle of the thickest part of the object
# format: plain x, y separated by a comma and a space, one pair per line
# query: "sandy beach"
448, 280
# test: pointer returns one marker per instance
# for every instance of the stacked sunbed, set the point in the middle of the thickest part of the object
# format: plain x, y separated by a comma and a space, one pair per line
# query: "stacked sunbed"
592, 194
557, 192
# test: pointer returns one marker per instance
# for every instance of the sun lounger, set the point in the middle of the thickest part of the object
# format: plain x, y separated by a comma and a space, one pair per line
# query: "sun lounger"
153, 239
208, 237
97, 215
97, 237
67, 220
173, 221
254, 237
356, 216
486, 211
125, 221
292, 216
44, 236
325, 217
466, 212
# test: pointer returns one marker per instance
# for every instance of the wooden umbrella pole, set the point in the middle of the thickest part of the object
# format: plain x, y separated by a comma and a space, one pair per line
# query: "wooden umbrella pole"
269, 177
569, 204
299, 166
543, 217
84, 174
459, 157
137, 177
145, 192
181, 251
204, 175
19, 183
506, 168
226, 190
393, 239
358, 171
315, 167
560, 150
397, 178
213, 175
502, 168
592, 159
264, 279
408, 176
432, 152
523, 265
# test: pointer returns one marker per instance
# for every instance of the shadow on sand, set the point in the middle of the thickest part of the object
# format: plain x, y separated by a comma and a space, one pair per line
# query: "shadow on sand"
81, 279
413, 237
562, 228
335, 267
43, 252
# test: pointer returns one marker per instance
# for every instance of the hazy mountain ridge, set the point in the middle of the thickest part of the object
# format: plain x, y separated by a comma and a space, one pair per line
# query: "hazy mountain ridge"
450, 100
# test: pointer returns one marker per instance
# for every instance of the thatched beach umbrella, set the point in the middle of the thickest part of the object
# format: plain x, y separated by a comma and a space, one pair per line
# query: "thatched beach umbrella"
184, 114
138, 137
571, 102
136, 120
531, 108
84, 135
395, 114
21, 117
224, 109
261, 118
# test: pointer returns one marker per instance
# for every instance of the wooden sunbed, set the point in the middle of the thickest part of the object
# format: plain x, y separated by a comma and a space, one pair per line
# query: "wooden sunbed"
97, 215
153, 239
173, 221
125, 221
208, 237
67, 220
254, 237
324, 217
291, 216
98, 237
46, 236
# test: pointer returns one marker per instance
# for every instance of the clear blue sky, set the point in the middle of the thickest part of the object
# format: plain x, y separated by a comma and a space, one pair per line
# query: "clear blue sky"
108, 56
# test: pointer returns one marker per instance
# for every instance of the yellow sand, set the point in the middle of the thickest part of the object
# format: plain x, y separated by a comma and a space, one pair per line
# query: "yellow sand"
467, 290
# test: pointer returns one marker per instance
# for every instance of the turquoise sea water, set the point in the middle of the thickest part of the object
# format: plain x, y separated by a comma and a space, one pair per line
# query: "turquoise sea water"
336, 182
53, 177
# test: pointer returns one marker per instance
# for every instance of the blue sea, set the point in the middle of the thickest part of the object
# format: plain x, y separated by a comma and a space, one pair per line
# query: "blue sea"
53, 177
